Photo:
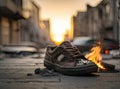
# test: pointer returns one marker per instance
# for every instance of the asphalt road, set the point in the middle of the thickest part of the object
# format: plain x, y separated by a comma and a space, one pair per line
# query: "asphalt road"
18, 73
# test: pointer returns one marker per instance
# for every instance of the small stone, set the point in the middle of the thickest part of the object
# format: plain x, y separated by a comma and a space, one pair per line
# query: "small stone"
29, 74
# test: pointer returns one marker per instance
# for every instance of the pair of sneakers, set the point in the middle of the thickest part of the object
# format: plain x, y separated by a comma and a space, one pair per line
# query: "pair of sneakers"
68, 60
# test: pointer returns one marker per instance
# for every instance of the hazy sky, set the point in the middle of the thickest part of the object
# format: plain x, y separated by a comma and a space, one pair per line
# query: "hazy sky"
61, 11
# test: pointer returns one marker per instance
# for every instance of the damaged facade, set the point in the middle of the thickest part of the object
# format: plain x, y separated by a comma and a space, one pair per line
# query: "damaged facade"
10, 14
79, 24
30, 29
19, 22
45, 27
99, 21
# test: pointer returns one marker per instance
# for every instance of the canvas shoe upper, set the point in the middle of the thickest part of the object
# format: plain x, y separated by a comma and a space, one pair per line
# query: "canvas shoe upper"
65, 54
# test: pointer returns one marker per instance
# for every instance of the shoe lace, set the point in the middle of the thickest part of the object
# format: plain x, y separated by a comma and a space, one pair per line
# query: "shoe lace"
73, 51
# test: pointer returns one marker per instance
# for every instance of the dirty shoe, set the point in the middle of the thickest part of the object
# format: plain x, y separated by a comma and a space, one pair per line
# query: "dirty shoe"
68, 60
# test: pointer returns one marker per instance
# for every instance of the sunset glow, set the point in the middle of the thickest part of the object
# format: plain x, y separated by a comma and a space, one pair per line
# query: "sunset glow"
59, 28
57, 39
60, 12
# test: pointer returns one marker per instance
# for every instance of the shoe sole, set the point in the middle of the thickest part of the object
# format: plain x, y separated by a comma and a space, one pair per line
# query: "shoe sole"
81, 70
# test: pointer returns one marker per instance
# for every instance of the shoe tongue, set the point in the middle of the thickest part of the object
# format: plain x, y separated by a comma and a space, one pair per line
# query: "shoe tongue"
65, 44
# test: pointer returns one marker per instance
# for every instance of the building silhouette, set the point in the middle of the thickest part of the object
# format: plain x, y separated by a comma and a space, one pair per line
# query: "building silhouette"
20, 22
99, 21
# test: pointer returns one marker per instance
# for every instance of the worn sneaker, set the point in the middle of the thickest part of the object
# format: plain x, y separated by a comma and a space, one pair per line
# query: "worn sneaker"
68, 60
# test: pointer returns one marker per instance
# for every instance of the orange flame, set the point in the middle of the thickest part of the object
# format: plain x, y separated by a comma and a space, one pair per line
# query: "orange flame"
95, 56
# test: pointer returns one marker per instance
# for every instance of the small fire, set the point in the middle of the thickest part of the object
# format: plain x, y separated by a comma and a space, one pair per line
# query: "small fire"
95, 55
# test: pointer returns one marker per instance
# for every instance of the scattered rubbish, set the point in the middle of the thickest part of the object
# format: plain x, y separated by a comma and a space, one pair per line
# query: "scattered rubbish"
109, 68
45, 72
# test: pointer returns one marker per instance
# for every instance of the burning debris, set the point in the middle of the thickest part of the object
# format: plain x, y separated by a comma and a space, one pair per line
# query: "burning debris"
96, 57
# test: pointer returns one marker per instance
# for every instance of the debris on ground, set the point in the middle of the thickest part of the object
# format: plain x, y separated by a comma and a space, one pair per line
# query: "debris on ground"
45, 72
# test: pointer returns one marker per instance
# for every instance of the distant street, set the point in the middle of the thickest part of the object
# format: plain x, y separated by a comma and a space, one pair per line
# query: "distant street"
18, 73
